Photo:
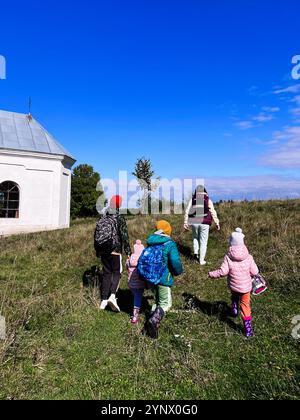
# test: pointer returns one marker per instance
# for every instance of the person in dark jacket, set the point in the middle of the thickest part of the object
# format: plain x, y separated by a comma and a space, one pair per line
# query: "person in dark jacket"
162, 291
112, 263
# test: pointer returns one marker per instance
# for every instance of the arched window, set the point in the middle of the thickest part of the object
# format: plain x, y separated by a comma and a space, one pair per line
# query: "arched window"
9, 200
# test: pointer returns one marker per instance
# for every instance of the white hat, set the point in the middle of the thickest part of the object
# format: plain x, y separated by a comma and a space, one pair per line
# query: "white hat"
237, 238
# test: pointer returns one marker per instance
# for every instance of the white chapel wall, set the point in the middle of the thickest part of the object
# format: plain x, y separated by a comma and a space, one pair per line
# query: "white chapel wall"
44, 193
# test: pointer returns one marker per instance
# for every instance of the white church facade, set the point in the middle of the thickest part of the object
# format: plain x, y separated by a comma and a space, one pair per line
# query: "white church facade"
35, 177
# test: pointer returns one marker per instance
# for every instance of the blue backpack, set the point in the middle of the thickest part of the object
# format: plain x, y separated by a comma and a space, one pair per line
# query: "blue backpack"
152, 264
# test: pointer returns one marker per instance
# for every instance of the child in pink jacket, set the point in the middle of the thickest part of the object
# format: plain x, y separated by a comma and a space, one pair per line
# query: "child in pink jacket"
240, 267
136, 285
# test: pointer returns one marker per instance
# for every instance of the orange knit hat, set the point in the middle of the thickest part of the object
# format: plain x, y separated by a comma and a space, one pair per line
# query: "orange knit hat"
164, 226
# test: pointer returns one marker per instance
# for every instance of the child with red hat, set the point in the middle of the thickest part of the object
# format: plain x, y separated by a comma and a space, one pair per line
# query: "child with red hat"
111, 240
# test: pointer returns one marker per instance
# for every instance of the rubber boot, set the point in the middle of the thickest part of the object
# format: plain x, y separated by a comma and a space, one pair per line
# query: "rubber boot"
235, 306
248, 328
154, 322
135, 318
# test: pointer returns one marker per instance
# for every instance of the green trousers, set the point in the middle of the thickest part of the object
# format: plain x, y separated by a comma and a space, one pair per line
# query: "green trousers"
163, 298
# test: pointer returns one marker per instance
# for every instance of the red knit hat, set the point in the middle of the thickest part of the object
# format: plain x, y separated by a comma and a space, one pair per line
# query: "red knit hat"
116, 201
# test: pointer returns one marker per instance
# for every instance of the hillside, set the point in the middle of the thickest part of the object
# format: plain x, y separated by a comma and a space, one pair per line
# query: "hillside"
60, 346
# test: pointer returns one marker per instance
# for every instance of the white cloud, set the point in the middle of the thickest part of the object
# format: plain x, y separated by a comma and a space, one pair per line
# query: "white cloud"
296, 111
253, 90
262, 117
271, 109
290, 89
266, 115
260, 187
244, 125
254, 187
286, 150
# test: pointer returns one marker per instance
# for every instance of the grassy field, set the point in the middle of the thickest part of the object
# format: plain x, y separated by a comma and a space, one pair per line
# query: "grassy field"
59, 346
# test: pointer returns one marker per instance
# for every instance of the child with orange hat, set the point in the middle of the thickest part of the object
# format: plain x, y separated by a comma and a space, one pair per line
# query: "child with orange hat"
157, 266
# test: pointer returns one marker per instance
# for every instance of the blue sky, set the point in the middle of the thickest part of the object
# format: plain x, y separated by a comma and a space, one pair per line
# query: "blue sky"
202, 88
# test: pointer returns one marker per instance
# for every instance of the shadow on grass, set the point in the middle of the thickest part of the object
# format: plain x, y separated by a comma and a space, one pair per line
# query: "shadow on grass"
125, 300
92, 278
219, 310
185, 251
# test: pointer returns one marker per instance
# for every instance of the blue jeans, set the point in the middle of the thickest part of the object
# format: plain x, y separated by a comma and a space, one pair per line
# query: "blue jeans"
137, 297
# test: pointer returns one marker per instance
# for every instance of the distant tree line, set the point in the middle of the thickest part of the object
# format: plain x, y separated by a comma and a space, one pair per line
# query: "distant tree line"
84, 194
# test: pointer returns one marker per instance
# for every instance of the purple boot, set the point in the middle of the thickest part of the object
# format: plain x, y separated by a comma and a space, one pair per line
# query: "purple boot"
154, 322
235, 306
248, 328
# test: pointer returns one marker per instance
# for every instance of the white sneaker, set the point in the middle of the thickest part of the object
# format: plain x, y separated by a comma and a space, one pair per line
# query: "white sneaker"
103, 305
112, 302
203, 263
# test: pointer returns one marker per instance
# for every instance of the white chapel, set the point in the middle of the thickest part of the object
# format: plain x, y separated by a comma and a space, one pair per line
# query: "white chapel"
35, 177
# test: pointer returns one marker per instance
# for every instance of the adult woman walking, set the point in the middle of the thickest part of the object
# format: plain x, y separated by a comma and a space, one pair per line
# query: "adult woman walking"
199, 215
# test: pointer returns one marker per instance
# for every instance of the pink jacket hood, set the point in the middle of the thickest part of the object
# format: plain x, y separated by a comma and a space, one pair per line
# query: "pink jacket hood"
238, 253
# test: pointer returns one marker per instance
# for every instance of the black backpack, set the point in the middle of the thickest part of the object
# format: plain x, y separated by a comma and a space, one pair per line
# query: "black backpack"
106, 237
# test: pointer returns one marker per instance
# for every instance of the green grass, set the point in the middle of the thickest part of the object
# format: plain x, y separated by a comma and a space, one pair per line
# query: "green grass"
59, 346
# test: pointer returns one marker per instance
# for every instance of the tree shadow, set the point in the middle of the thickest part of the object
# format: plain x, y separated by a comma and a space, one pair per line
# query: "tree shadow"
220, 310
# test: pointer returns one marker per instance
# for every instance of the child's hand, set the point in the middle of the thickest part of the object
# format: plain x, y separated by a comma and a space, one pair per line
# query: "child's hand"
186, 226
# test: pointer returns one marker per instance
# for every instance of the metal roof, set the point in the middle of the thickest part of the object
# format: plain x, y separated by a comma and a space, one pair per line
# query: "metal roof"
21, 132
